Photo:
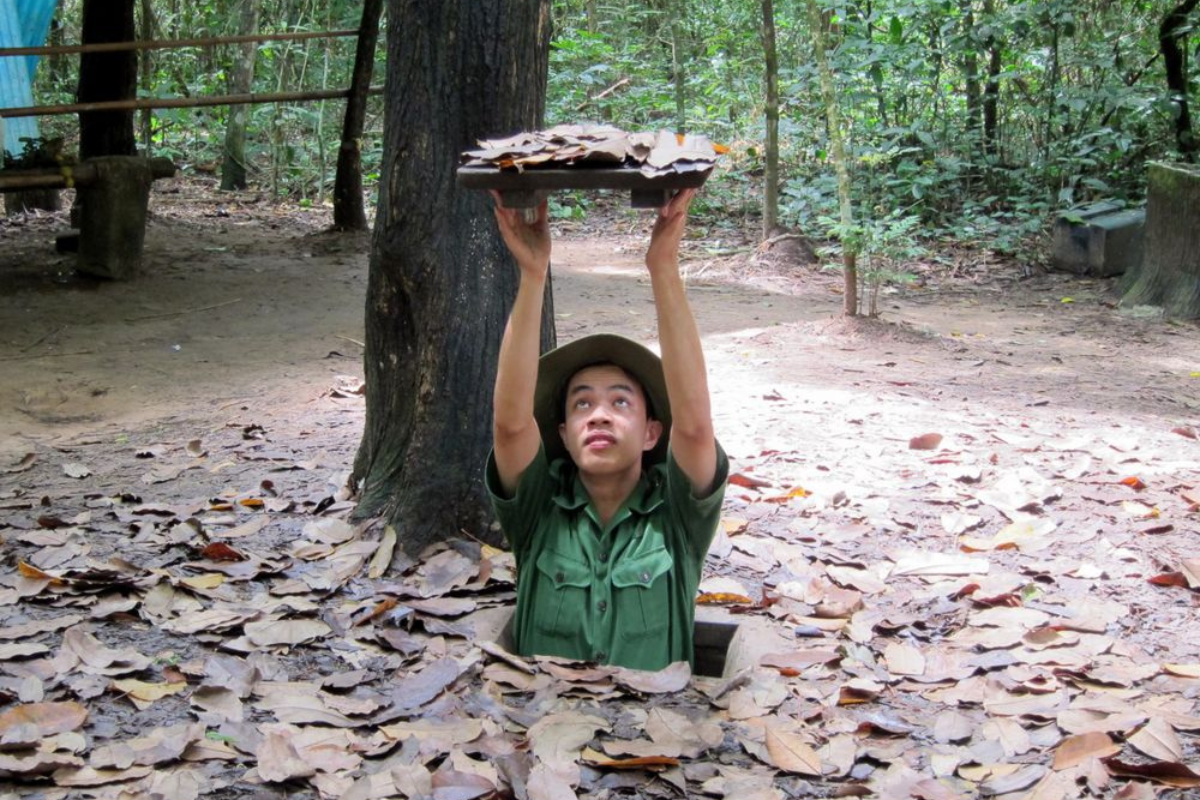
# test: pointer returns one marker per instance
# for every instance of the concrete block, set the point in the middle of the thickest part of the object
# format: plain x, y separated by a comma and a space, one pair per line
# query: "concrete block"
1100, 240
112, 224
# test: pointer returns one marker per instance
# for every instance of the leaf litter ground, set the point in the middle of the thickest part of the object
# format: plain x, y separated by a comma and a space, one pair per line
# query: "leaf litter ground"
965, 536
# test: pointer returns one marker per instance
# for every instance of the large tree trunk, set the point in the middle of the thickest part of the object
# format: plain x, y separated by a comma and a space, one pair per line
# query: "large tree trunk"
107, 76
233, 169
771, 160
1171, 36
441, 281
348, 211
1170, 273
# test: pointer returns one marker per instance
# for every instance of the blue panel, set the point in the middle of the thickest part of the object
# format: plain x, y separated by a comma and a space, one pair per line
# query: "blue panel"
15, 88
35, 16
23, 23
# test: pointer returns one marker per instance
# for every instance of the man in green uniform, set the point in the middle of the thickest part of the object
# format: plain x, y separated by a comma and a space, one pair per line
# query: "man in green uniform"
606, 476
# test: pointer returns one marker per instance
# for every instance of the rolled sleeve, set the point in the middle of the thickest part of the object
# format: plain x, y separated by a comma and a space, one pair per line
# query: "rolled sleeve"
698, 517
520, 514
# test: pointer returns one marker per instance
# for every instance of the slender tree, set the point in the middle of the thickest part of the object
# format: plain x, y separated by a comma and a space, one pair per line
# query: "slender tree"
348, 211
233, 169
771, 149
837, 141
441, 281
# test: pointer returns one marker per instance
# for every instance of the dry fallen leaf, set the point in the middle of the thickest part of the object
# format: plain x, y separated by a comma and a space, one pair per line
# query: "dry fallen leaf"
291, 632
1075, 750
791, 753
1157, 740
1169, 773
46, 719
143, 694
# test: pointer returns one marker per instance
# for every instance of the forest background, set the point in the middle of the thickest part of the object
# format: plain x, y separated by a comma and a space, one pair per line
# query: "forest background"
972, 121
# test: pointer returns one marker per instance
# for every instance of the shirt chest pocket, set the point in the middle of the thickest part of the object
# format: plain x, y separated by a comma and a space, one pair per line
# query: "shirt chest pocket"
641, 593
563, 587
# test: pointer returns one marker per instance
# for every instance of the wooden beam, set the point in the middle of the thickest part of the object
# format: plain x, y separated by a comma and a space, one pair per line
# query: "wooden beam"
167, 44
181, 102
69, 175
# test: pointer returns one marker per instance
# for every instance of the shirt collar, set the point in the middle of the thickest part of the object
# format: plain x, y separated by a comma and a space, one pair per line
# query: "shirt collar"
572, 495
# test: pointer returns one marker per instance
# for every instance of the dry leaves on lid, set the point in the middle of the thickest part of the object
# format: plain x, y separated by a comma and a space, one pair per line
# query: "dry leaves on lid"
566, 145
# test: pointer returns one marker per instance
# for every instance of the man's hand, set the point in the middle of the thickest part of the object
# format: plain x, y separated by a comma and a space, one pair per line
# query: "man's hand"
668, 231
529, 242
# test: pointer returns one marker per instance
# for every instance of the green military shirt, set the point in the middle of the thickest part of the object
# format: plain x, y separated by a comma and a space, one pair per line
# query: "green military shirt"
624, 594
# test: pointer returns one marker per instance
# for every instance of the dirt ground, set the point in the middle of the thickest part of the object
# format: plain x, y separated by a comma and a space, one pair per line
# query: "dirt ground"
215, 399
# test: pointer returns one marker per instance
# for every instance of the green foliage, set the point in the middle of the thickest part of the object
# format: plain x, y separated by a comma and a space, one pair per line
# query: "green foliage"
1080, 102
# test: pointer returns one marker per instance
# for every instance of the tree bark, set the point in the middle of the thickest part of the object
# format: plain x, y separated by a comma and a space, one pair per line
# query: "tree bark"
1170, 273
771, 172
349, 213
678, 69
233, 168
441, 281
107, 76
991, 89
837, 146
974, 94
1171, 34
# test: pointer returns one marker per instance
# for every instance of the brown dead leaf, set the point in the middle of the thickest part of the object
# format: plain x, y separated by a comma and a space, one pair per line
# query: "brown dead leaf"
747, 481
672, 678
926, 441
383, 556
1157, 740
86, 776
673, 731
143, 694
651, 763
46, 719
904, 659
858, 690
278, 760
1169, 773
791, 753
1075, 750
289, 632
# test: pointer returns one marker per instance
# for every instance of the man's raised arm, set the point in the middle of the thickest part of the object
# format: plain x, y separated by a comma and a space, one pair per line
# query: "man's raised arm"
514, 428
692, 440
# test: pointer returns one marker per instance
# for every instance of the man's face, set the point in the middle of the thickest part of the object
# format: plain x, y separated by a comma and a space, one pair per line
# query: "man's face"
607, 429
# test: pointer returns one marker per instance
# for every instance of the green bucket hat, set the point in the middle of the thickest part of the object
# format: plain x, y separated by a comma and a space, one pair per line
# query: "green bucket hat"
556, 368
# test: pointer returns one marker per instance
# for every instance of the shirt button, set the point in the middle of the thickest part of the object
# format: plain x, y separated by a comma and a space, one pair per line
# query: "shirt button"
601, 656
602, 606
604, 555
645, 577
559, 577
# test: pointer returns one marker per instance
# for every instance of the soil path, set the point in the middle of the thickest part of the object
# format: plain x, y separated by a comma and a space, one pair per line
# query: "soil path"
227, 374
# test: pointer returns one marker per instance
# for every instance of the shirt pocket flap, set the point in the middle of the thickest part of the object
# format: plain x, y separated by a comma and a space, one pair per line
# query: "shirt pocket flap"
563, 570
643, 569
